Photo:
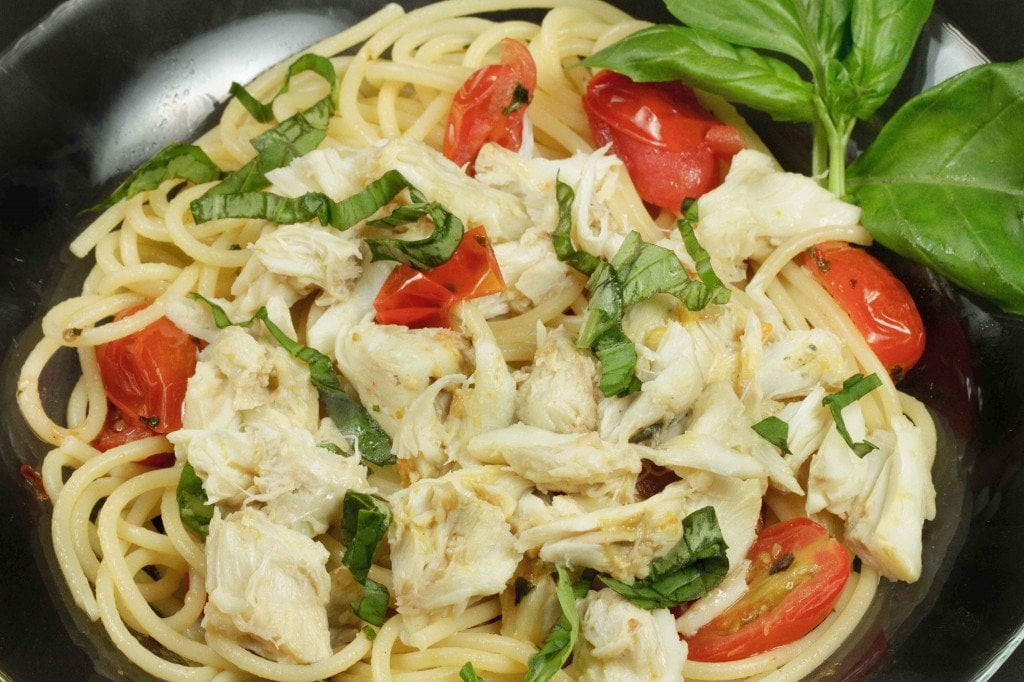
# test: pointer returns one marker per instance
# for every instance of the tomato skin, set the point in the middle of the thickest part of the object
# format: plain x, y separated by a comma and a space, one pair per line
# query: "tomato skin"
145, 374
477, 115
875, 299
673, 148
779, 607
419, 299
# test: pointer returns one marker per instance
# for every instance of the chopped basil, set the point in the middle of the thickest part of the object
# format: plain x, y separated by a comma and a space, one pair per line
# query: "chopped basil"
854, 388
370, 633
554, 651
561, 237
196, 510
520, 98
422, 254
332, 448
362, 431
638, 271
264, 113
184, 161
468, 674
775, 431
688, 571
364, 522
373, 606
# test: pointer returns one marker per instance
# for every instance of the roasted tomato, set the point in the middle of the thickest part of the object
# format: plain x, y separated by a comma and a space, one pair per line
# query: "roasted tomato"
418, 299
145, 374
796, 577
490, 105
877, 302
673, 148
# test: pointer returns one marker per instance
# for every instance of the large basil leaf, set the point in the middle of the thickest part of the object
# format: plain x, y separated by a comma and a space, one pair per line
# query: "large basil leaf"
801, 29
884, 33
942, 185
664, 53
688, 571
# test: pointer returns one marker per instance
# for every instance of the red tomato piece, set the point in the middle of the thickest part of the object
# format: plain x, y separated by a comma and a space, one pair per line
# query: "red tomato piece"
875, 299
673, 148
420, 299
117, 430
796, 576
145, 374
489, 107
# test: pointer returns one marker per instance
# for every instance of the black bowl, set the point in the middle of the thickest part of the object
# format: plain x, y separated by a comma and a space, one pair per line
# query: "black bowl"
97, 86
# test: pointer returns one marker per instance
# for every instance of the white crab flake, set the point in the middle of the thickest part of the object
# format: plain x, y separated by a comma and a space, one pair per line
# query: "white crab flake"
560, 392
268, 588
240, 380
451, 543
757, 207
885, 496
390, 365
799, 361
620, 642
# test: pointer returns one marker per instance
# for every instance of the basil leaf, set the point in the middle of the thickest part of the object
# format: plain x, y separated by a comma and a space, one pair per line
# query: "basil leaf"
370, 633
196, 511
604, 309
775, 431
943, 184
468, 674
738, 74
332, 448
220, 318
185, 161
715, 291
884, 34
427, 253
792, 27
854, 388
264, 113
278, 147
373, 606
364, 434
558, 645
561, 237
364, 522
688, 571
617, 355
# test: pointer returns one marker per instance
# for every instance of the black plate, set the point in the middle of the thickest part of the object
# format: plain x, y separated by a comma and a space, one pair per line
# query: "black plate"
99, 85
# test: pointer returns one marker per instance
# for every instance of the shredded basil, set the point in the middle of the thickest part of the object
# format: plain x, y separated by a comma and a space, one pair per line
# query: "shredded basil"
554, 651
775, 431
854, 388
363, 433
195, 508
688, 571
422, 254
364, 522
373, 606
184, 161
561, 237
468, 674
264, 113
370, 633
332, 448
637, 272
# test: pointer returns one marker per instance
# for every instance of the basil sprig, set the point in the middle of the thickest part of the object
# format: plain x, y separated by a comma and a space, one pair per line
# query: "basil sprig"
554, 651
294, 137
184, 161
852, 54
638, 271
775, 431
422, 254
363, 433
688, 571
195, 508
854, 388
364, 522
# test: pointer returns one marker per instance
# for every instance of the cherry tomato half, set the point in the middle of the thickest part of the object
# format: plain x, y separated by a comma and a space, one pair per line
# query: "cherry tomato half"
877, 302
673, 148
796, 576
418, 299
145, 374
490, 105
